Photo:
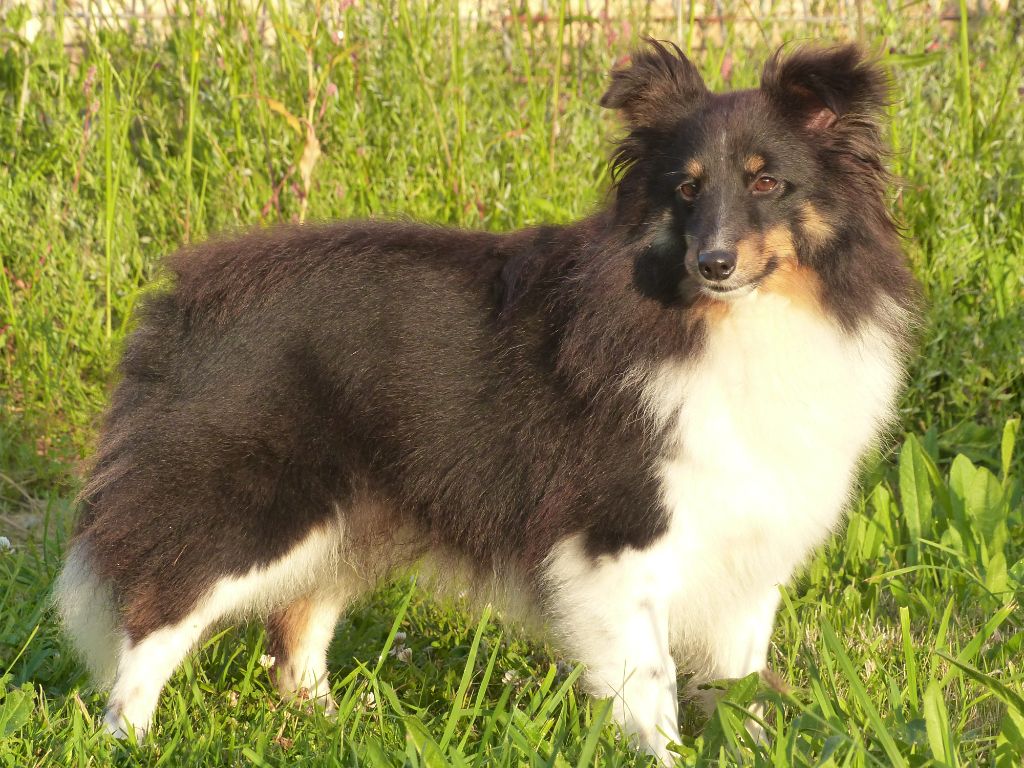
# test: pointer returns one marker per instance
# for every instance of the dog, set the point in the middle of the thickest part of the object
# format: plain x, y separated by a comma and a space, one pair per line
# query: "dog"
630, 430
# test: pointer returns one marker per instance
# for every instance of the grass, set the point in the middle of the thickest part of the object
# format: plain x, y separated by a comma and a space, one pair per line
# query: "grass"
901, 642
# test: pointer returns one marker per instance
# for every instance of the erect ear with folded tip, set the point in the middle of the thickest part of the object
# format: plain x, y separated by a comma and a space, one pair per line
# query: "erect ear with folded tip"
657, 88
819, 87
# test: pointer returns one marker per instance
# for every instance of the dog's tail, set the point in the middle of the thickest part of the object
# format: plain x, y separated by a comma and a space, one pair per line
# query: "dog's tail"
85, 605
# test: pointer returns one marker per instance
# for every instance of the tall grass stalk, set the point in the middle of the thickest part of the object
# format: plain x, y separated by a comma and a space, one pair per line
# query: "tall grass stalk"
559, 54
110, 187
966, 100
194, 40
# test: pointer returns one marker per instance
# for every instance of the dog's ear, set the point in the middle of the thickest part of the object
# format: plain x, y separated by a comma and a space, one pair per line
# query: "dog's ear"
658, 87
819, 87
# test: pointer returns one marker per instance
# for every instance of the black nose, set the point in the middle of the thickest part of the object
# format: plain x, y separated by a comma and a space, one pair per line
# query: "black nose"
716, 265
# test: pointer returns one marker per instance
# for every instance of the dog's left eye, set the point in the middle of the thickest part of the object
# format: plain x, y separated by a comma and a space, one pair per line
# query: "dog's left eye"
765, 184
689, 190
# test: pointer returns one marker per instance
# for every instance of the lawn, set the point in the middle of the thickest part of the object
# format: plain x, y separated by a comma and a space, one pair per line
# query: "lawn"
900, 643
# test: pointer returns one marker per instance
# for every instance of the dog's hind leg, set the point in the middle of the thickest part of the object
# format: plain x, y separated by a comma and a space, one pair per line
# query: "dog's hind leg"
150, 654
144, 667
154, 648
134, 671
298, 635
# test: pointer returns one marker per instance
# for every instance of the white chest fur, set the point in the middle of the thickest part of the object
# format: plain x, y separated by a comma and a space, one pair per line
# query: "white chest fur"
766, 427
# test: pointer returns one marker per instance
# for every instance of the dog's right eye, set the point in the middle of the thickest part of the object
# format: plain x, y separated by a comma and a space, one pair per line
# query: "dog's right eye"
765, 184
689, 190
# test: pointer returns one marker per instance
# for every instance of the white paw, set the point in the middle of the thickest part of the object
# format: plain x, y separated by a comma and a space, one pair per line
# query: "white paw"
117, 726
661, 753
754, 727
655, 741
324, 701
328, 705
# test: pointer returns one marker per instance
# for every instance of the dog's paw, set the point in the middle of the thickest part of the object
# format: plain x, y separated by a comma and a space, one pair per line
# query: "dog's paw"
115, 723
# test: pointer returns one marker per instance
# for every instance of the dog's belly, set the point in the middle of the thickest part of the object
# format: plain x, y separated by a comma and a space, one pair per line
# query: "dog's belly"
766, 427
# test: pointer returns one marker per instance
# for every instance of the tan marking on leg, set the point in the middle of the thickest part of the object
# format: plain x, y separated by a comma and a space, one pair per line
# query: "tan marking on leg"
298, 636
286, 628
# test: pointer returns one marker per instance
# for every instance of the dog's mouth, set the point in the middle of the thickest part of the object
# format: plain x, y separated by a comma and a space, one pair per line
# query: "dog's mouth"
732, 290
728, 293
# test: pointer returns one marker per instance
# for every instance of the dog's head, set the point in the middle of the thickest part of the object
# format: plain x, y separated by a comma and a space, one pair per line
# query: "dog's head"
731, 189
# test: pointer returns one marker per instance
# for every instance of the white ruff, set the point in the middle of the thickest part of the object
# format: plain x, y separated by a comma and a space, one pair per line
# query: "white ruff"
767, 426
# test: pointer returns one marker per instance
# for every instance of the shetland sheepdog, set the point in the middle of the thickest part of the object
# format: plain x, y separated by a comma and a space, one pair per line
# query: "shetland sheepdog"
630, 430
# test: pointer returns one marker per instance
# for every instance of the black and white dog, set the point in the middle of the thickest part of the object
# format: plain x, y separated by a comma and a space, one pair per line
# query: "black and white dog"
632, 428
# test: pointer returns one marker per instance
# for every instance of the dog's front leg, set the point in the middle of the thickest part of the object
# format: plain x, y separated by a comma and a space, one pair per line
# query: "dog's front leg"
611, 613
739, 641
633, 667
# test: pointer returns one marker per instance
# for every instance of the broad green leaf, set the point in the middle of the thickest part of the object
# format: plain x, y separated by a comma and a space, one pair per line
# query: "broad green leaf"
936, 719
915, 493
1012, 729
372, 752
855, 537
881, 502
997, 579
984, 503
15, 709
1016, 574
960, 475
433, 756
951, 538
254, 758
1006, 448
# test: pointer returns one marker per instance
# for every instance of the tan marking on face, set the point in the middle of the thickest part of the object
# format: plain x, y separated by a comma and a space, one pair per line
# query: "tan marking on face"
754, 251
814, 225
709, 310
778, 242
693, 169
800, 285
753, 164
749, 256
